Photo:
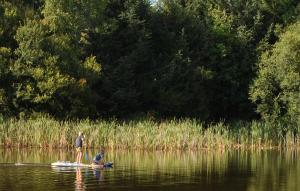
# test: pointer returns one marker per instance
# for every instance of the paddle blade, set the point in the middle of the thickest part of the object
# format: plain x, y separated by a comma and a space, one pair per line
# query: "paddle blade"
86, 155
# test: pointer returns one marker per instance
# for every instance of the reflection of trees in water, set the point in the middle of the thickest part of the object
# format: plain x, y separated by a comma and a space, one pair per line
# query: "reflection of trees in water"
180, 166
274, 170
237, 170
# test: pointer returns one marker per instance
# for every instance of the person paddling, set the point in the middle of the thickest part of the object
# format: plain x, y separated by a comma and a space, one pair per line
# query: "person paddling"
97, 159
78, 145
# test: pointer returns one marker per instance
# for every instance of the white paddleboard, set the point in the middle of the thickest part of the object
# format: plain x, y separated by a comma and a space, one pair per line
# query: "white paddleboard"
68, 164
75, 164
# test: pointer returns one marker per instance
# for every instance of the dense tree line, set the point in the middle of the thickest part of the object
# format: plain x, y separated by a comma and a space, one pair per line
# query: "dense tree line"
197, 58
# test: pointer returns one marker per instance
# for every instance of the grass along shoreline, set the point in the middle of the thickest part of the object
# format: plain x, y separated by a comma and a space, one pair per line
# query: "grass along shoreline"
189, 134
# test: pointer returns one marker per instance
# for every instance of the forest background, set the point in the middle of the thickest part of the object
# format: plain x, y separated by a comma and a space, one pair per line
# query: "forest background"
195, 62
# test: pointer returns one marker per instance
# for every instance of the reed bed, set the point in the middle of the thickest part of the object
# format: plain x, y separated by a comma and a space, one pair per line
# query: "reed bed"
174, 134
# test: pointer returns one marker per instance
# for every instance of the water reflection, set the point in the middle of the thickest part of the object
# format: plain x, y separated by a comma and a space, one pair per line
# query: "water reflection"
98, 174
79, 185
206, 170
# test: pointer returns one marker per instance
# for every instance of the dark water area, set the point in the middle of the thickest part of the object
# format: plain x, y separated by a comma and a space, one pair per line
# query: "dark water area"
137, 170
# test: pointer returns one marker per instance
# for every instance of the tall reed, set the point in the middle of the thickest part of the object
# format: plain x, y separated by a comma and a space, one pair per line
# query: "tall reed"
143, 134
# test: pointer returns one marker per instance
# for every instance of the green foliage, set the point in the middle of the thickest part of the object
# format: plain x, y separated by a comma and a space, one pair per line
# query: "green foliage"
54, 72
179, 78
276, 89
117, 58
8, 25
124, 48
4, 73
203, 60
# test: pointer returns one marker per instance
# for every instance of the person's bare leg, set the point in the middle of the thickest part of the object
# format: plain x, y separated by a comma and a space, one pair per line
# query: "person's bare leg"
77, 158
80, 157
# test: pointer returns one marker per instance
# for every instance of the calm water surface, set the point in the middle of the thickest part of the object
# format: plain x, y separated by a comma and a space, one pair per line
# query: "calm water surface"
133, 170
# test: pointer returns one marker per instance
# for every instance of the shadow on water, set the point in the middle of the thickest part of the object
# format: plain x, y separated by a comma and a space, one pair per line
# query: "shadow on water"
138, 170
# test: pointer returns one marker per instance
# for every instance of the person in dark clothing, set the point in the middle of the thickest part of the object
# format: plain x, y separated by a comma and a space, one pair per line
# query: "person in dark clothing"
97, 159
78, 146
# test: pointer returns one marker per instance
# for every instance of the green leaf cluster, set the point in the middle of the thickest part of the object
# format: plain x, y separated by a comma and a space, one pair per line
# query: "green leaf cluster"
276, 90
54, 71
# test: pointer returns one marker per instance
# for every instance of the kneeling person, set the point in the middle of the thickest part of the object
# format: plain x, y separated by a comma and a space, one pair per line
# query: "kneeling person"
97, 159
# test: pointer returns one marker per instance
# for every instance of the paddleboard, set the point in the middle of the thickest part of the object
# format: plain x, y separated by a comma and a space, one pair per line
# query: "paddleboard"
74, 164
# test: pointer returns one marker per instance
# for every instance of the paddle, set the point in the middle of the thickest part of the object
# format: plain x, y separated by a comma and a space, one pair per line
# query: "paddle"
86, 152
87, 159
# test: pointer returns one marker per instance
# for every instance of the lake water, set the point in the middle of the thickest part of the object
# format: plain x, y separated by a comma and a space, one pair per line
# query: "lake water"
136, 170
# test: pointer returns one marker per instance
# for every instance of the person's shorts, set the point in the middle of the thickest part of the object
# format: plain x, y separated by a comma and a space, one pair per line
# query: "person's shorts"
78, 149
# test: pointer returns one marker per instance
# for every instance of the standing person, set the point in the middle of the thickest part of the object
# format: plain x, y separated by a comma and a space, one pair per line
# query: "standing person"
78, 145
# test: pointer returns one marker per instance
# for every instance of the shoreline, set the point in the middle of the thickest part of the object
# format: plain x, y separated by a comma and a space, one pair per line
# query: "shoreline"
232, 148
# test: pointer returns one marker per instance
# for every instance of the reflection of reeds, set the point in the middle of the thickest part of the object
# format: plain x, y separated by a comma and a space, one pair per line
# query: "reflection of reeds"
145, 162
146, 134
258, 170
275, 170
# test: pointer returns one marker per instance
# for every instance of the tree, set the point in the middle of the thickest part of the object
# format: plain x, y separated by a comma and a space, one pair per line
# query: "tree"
276, 89
8, 25
180, 74
54, 71
204, 60
123, 46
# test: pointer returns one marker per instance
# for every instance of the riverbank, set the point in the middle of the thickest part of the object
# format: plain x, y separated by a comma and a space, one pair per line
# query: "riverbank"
46, 132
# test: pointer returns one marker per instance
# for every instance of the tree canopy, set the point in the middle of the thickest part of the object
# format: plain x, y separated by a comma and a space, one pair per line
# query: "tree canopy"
276, 90
182, 58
